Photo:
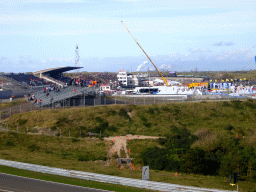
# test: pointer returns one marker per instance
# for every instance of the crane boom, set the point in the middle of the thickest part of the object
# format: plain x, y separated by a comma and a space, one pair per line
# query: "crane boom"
145, 54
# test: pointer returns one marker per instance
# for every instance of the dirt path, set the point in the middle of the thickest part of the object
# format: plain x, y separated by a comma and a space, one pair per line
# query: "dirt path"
120, 142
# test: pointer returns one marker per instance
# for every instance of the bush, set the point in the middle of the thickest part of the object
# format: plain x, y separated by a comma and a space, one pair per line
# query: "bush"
229, 127
22, 121
33, 147
88, 157
194, 161
180, 138
237, 104
123, 113
155, 157
162, 141
151, 111
9, 143
73, 140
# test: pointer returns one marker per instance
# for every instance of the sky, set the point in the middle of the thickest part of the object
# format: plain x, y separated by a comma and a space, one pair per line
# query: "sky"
178, 35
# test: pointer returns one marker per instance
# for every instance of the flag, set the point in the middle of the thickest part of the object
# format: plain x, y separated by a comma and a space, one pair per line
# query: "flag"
74, 90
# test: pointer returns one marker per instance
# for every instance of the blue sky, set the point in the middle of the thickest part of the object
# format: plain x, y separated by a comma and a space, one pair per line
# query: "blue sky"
177, 34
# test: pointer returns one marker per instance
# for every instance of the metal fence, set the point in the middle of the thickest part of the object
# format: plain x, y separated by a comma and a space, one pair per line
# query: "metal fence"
106, 178
8, 111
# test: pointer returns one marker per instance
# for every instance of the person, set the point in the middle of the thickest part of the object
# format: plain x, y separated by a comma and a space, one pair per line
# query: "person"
47, 94
44, 89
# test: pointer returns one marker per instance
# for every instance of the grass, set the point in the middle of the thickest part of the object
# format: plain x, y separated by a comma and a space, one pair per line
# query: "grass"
227, 118
144, 119
68, 180
136, 146
61, 153
13, 103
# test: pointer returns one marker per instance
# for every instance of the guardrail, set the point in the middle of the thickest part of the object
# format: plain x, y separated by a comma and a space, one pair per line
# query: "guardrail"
106, 178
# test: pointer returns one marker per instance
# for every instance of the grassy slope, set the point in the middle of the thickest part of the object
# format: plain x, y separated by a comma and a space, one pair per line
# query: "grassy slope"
13, 103
61, 153
146, 120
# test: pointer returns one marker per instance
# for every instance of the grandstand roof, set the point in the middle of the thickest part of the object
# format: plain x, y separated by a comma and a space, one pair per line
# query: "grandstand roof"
56, 70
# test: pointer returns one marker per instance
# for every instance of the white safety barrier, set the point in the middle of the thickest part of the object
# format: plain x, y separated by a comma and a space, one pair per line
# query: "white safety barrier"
106, 178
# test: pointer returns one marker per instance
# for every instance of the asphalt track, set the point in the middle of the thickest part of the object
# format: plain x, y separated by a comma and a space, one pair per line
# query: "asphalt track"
12, 183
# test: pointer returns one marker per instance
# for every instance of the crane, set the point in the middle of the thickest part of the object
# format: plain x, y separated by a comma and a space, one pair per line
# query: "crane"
145, 54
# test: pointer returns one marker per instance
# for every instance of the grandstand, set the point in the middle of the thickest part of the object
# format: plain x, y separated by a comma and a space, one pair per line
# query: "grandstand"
66, 96
25, 79
55, 75
52, 79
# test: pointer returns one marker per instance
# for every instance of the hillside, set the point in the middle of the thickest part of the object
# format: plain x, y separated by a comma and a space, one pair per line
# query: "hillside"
203, 140
152, 120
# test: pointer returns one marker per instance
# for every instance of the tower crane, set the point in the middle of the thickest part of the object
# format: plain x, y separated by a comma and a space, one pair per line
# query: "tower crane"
145, 54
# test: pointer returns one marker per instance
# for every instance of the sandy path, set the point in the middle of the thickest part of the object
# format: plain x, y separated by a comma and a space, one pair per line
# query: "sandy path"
120, 142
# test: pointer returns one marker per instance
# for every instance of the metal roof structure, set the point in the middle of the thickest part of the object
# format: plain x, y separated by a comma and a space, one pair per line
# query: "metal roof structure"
55, 70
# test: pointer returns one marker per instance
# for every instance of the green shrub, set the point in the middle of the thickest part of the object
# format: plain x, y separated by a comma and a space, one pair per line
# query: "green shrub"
22, 121
73, 140
162, 141
33, 147
151, 111
9, 143
112, 112
194, 161
226, 104
229, 127
90, 157
237, 104
123, 113
155, 158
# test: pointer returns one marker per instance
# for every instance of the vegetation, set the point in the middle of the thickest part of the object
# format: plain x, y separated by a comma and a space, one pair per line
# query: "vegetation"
144, 119
204, 142
207, 153
13, 103
54, 147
